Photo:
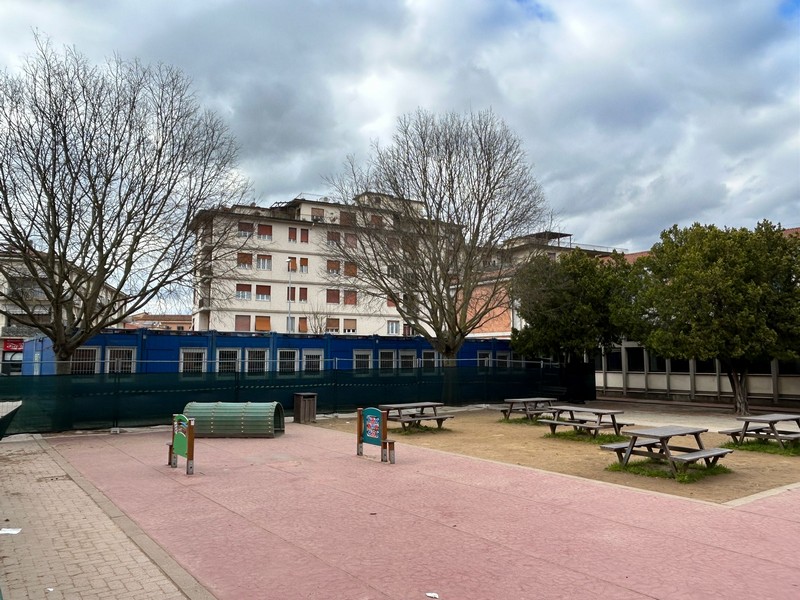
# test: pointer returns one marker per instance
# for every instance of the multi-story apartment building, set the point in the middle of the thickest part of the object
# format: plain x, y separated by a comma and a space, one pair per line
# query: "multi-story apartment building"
18, 287
278, 272
547, 243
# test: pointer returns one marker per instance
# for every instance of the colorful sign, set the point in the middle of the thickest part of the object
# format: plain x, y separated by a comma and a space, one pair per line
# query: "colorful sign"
371, 432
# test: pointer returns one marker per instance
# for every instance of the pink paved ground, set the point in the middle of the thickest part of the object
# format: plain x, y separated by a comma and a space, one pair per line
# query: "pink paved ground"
300, 516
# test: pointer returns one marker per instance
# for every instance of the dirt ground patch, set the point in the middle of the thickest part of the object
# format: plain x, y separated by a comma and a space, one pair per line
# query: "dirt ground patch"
484, 434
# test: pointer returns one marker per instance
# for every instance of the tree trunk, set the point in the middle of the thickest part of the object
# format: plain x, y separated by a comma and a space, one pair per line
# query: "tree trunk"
63, 418
450, 382
738, 381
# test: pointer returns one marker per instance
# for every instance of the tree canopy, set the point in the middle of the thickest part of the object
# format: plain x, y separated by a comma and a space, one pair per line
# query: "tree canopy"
731, 294
102, 169
432, 213
571, 306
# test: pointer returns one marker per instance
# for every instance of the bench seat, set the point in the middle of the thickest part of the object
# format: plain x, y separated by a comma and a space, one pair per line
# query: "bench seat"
533, 411
739, 429
577, 424
709, 455
412, 419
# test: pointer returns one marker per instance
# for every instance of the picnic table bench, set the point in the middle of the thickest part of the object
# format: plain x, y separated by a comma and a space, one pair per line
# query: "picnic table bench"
765, 427
655, 443
530, 407
396, 413
593, 422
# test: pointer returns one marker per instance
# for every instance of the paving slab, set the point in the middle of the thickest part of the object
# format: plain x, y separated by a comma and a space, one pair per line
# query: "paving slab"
300, 516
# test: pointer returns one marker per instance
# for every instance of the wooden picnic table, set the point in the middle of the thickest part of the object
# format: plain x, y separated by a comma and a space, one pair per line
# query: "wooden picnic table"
654, 442
531, 407
584, 418
765, 427
417, 413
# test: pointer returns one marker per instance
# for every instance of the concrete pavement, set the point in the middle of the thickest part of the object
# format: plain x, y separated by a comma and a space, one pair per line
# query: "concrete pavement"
300, 516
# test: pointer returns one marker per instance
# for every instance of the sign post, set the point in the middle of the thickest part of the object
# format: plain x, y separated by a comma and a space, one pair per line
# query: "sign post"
182, 442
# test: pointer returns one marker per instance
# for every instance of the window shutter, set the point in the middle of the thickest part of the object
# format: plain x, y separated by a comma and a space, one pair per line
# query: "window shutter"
242, 323
350, 269
302, 325
263, 324
265, 230
332, 296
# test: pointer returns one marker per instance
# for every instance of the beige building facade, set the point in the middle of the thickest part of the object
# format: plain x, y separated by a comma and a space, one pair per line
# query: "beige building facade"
279, 273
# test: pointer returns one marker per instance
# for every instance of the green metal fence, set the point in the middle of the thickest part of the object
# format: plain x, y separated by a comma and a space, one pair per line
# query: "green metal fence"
99, 401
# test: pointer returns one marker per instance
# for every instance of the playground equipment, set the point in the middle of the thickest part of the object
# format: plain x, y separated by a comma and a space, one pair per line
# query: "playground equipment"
371, 429
182, 443
236, 419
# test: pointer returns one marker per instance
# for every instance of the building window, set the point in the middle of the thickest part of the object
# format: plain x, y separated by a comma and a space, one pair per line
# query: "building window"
244, 260
484, 358
351, 297
264, 262
304, 236
635, 357
502, 360
333, 267
193, 360
349, 326
317, 215
242, 323
245, 229
120, 360
347, 218
362, 361
263, 323
287, 361
392, 327
408, 360
302, 324
293, 234
376, 221
304, 265
386, 360
264, 293
256, 360
350, 240
291, 264
350, 269
391, 303
84, 361
264, 232
227, 360
303, 297
291, 294
334, 237
332, 296
408, 331
289, 324
331, 325
244, 291
312, 361
428, 361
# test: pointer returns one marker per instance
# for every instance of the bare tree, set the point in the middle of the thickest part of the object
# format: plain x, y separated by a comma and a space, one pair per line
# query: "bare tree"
433, 213
102, 170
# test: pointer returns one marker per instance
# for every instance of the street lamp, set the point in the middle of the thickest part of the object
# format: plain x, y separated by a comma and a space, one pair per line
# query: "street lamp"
289, 323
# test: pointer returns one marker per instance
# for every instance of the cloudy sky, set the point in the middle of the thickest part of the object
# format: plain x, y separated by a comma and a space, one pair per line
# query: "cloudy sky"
636, 114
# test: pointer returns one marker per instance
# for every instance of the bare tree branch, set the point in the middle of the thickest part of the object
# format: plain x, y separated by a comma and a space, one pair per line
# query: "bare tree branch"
102, 171
433, 212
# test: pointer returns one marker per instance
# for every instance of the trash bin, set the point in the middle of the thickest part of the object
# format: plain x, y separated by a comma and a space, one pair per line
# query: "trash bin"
305, 408
236, 419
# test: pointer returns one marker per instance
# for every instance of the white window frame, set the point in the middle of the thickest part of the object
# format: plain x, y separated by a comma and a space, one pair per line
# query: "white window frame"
111, 360
428, 357
263, 297
242, 295
382, 354
236, 364
284, 355
249, 360
182, 363
263, 264
311, 353
360, 355
484, 358
392, 327
88, 362
404, 356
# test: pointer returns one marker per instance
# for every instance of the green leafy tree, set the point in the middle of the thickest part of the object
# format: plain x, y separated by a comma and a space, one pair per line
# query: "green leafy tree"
731, 294
571, 306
